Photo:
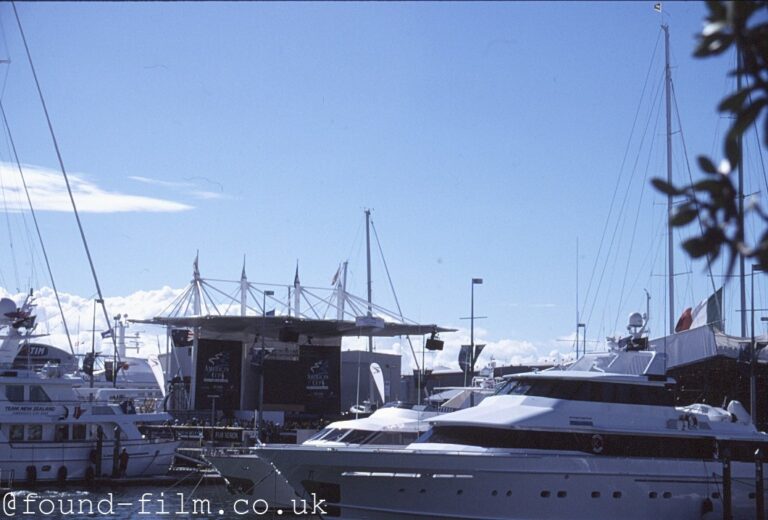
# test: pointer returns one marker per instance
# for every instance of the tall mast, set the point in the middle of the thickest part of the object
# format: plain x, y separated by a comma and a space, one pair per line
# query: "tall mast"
740, 168
577, 298
368, 263
670, 244
370, 300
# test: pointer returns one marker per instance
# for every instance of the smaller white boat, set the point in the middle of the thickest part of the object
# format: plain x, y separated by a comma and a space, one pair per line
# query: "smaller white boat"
50, 431
394, 424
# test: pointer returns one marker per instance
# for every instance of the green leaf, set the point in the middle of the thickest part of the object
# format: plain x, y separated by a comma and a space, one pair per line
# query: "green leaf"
711, 186
665, 187
732, 152
734, 102
713, 44
683, 216
746, 117
706, 164
698, 247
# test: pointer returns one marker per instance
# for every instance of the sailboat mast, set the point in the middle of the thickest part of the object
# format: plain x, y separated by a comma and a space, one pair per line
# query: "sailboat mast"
370, 297
368, 263
670, 244
740, 169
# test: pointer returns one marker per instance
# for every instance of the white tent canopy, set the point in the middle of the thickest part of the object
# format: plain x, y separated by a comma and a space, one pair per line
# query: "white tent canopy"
702, 343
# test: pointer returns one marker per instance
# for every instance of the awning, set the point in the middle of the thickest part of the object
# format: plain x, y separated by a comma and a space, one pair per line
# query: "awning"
275, 326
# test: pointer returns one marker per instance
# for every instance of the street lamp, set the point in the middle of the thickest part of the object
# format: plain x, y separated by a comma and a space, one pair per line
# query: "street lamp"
475, 281
261, 364
753, 358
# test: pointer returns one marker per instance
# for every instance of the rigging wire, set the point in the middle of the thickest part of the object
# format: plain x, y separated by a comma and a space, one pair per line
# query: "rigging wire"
37, 227
10, 235
637, 215
618, 180
392, 287
690, 179
66, 178
619, 222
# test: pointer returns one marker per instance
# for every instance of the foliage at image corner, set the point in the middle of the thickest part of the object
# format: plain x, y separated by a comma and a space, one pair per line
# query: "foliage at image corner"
713, 201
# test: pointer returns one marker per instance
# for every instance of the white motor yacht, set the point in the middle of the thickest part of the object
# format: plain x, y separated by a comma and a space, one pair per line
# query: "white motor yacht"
601, 439
51, 431
395, 424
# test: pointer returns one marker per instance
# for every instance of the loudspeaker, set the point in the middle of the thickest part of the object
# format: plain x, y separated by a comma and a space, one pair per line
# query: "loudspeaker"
288, 335
434, 344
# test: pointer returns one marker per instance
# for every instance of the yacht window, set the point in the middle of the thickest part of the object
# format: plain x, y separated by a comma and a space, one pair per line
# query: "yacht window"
35, 432
16, 433
319, 435
595, 391
336, 434
356, 436
37, 394
14, 393
78, 432
393, 438
61, 433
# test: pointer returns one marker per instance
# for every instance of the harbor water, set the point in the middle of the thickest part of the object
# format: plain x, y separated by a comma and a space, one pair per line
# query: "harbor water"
185, 498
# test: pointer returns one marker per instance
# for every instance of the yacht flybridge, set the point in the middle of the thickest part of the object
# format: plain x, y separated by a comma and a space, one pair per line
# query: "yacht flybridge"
52, 429
600, 439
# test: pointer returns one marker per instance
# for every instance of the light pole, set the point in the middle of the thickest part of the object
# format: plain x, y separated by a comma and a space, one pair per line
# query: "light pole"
261, 364
753, 358
475, 281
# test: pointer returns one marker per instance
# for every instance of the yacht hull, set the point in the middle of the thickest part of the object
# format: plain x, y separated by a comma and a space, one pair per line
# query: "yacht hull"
253, 476
389, 484
71, 461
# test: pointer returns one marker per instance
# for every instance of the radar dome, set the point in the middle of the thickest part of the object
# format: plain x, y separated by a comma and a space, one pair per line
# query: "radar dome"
635, 320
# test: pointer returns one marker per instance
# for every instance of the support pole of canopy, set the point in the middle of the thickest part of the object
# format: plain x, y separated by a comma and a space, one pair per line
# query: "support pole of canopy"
243, 291
197, 310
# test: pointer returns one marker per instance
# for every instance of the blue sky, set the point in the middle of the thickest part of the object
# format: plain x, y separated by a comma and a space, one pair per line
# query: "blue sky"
486, 137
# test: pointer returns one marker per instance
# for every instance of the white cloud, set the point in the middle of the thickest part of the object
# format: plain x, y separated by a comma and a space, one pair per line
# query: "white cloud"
48, 192
79, 316
147, 304
188, 188
158, 182
503, 351
207, 195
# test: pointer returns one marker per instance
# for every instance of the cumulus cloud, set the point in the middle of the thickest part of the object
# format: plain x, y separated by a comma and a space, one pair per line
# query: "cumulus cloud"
48, 192
502, 351
79, 313
147, 304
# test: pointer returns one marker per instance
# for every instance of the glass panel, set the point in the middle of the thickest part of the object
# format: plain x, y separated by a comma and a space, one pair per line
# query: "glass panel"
78, 432
35, 432
37, 394
62, 433
356, 436
14, 393
17, 432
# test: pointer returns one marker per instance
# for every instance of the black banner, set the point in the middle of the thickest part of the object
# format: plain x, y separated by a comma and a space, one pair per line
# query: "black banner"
218, 374
311, 384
